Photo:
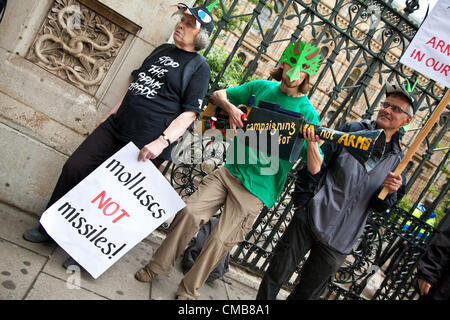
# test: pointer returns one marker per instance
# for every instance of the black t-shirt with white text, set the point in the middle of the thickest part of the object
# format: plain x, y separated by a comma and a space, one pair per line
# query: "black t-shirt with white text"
155, 97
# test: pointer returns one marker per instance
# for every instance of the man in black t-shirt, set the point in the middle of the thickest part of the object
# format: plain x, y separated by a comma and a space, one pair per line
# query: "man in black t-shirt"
162, 101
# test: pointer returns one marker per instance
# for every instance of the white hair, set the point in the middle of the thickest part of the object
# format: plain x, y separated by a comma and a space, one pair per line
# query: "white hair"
201, 40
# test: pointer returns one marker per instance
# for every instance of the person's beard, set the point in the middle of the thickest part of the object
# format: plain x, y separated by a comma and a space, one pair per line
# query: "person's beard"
289, 84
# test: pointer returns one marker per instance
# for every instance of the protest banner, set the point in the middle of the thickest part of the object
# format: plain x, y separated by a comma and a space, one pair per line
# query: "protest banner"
110, 211
429, 51
429, 54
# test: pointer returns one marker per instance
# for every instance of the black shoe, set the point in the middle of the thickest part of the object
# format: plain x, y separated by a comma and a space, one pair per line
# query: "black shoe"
70, 262
34, 235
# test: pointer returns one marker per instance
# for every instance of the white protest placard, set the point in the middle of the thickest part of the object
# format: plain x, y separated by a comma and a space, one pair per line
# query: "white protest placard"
120, 203
429, 51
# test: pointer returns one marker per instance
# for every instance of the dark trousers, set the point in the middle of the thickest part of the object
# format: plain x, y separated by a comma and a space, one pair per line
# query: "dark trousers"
92, 152
321, 264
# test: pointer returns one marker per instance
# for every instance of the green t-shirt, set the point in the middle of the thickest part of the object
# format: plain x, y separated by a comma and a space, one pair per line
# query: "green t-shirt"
266, 178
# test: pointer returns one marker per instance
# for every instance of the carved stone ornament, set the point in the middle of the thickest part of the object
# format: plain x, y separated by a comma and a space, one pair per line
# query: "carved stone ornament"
77, 44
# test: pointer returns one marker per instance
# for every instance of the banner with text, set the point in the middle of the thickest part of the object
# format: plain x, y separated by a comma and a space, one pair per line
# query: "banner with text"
111, 210
429, 51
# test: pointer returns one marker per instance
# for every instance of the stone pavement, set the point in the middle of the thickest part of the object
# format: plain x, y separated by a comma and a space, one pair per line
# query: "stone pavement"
31, 271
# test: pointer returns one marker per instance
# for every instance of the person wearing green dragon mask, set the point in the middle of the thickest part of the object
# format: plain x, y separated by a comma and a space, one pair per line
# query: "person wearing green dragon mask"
241, 187
298, 62
301, 57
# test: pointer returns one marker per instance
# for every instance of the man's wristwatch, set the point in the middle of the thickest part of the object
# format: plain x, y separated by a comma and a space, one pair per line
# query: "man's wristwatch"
166, 138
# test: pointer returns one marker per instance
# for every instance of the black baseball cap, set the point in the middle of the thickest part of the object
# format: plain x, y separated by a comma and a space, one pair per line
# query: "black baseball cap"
202, 14
393, 88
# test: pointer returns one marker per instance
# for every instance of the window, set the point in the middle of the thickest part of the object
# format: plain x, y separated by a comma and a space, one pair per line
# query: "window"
264, 17
352, 78
324, 52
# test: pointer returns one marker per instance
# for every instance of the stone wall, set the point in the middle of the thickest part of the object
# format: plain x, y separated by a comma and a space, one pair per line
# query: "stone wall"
63, 65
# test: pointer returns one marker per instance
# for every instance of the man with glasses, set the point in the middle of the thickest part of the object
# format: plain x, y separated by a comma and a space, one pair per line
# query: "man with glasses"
332, 206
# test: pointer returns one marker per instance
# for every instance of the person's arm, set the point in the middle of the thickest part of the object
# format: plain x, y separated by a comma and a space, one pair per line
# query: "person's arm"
435, 262
305, 186
306, 183
220, 98
192, 100
396, 185
173, 132
314, 161
424, 286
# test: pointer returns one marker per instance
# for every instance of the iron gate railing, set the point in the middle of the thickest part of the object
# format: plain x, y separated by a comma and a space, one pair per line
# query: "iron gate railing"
364, 41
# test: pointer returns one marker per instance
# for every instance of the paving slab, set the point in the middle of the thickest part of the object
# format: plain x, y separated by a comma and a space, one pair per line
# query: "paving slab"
14, 223
117, 282
18, 269
216, 290
239, 291
47, 287
165, 287
245, 286
34, 271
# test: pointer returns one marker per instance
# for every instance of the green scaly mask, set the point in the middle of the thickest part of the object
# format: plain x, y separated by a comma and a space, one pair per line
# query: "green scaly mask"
302, 57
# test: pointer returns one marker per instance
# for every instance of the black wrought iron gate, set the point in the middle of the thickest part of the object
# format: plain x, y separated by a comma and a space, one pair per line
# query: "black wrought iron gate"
361, 42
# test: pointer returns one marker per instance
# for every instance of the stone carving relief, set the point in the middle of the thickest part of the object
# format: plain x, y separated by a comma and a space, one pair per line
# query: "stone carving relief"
77, 44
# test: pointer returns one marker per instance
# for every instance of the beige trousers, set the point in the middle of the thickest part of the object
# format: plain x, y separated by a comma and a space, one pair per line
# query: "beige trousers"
240, 208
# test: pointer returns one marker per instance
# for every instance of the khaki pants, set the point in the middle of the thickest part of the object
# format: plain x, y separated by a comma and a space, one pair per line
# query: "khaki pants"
240, 208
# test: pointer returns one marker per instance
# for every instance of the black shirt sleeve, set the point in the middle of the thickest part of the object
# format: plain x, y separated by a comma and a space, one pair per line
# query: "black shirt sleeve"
435, 264
196, 89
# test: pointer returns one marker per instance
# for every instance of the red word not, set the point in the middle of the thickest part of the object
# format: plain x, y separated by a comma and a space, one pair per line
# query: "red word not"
109, 208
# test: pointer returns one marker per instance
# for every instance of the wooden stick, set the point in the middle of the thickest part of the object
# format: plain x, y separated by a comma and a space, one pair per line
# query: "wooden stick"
422, 135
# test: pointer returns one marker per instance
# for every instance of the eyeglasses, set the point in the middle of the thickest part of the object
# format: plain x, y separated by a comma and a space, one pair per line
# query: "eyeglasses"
396, 109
